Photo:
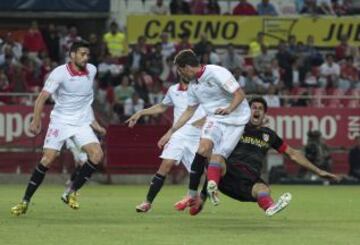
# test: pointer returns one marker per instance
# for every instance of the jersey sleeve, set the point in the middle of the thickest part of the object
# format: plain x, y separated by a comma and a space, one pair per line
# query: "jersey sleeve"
167, 100
53, 81
192, 99
277, 143
227, 81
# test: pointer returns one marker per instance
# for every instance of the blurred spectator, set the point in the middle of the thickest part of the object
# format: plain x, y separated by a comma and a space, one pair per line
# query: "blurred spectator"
4, 88
159, 8
354, 159
310, 8
293, 76
144, 47
33, 40
18, 80
122, 92
343, 49
51, 38
283, 56
299, 4
133, 105
231, 59
311, 78
108, 70
292, 45
237, 72
214, 58
69, 39
96, 49
45, 68
15, 48
155, 93
155, 61
198, 7
252, 81
244, 8
341, 7
213, 7
325, 7
168, 74
266, 8
33, 83
115, 41
140, 87
200, 47
179, 7
349, 75
136, 59
312, 57
317, 151
329, 72
255, 46
167, 47
267, 80
303, 101
263, 60
184, 42
272, 99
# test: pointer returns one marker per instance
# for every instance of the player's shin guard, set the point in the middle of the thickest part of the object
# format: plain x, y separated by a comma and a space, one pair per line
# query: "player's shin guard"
214, 172
75, 173
84, 174
264, 200
197, 169
36, 179
203, 193
155, 186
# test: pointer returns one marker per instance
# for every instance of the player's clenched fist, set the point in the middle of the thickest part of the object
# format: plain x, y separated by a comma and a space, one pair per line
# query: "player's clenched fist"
35, 127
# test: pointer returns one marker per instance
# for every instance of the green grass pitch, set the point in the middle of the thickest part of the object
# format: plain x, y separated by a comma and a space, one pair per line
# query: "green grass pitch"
317, 215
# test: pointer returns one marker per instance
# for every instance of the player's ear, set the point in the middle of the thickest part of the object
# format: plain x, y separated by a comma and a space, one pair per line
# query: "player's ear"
72, 55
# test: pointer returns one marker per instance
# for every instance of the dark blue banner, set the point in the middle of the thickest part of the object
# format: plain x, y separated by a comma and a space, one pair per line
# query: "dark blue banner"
56, 5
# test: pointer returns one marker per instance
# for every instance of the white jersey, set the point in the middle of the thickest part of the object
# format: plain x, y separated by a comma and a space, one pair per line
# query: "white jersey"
213, 89
178, 98
73, 94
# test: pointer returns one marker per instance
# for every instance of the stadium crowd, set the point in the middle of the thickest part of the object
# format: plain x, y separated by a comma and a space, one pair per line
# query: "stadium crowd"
134, 77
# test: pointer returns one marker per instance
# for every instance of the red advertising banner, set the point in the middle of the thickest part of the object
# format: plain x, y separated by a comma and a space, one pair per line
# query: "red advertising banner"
338, 127
14, 126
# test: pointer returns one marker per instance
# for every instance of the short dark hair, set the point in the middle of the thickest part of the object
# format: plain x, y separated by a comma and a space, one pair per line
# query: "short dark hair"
79, 44
186, 57
259, 100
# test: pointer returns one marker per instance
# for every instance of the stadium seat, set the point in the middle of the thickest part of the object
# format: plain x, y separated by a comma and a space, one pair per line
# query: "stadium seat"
318, 93
335, 102
353, 103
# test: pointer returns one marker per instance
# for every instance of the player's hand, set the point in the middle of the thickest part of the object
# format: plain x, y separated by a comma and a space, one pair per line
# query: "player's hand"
222, 111
164, 139
133, 120
35, 127
329, 176
98, 128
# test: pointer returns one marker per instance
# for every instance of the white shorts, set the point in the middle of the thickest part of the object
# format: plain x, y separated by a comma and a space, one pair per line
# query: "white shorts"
79, 155
57, 133
182, 146
225, 137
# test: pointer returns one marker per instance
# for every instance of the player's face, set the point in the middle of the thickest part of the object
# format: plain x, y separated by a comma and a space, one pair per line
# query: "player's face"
257, 114
81, 57
186, 72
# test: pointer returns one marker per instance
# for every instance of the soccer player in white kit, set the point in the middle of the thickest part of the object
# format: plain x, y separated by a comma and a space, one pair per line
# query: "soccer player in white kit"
217, 91
182, 145
72, 86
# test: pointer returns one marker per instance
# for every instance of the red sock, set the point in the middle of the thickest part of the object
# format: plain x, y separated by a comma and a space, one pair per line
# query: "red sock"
264, 200
214, 172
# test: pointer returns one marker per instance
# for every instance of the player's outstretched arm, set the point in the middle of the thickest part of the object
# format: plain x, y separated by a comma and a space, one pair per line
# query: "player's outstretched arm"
154, 110
300, 159
187, 114
35, 126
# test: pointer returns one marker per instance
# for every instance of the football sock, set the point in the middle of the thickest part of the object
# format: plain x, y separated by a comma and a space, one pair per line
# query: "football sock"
214, 172
203, 193
35, 181
75, 173
264, 200
197, 169
156, 184
84, 174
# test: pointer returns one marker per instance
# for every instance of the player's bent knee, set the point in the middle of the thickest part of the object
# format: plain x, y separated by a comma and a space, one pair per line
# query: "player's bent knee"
47, 159
96, 156
165, 167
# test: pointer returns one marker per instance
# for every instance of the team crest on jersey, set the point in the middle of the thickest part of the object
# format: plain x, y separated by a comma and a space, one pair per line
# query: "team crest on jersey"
265, 137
